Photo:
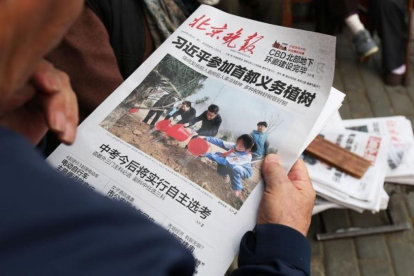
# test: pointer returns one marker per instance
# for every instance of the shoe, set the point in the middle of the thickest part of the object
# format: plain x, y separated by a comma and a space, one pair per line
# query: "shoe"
364, 45
393, 79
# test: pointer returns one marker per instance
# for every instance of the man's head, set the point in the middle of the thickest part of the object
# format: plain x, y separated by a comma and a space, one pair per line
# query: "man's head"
245, 142
212, 112
29, 30
261, 127
186, 105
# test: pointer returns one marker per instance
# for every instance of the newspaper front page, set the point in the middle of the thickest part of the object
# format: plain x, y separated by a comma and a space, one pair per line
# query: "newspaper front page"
196, 173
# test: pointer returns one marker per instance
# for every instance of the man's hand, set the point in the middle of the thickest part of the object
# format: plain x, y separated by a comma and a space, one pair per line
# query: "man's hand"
46, 102
288, 199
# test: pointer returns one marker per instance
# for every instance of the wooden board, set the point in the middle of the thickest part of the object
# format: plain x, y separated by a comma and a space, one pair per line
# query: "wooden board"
338, 157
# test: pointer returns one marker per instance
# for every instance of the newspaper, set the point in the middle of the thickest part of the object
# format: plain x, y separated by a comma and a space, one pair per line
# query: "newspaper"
206, 191
331, 183
401, 149
333, 196
322, 204
335, 123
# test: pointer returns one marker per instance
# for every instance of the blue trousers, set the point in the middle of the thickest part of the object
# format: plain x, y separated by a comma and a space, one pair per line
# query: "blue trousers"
236, 173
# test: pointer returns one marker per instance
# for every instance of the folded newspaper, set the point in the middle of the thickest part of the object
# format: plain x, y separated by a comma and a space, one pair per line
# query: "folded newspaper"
219, 75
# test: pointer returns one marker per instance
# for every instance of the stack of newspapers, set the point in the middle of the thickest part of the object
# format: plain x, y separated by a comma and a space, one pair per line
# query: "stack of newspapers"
387, 142
399, 131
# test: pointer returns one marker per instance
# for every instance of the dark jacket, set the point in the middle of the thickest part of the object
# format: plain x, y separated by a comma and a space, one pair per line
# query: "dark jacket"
165, 101
186, 116
208, 127
128, 30
126, 26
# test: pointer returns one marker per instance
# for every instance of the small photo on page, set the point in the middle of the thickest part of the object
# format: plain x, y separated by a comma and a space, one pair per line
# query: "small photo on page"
210, 132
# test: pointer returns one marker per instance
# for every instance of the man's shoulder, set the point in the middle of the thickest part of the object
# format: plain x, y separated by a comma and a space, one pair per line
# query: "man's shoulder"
52, 201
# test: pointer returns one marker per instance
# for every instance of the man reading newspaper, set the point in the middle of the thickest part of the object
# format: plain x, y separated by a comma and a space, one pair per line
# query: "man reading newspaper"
54, 226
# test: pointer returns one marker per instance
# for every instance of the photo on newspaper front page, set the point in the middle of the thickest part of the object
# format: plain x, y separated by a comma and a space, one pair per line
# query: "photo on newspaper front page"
201, 129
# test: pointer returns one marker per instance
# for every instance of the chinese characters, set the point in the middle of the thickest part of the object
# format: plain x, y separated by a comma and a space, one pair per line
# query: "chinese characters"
150, 180
230, 38
246, 75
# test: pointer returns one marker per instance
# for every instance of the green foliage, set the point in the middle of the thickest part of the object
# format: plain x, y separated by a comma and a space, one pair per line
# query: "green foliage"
202, 100
178, 77
149, 103
169, 75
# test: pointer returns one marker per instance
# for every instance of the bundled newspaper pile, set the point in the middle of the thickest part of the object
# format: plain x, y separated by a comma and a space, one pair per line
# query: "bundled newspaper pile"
227, 74
387, 142
399, 131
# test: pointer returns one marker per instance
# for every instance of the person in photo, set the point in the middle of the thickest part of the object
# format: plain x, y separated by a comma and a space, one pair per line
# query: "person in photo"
186, 112
210, 121
158, 108
173, 109
260, 140
235, 164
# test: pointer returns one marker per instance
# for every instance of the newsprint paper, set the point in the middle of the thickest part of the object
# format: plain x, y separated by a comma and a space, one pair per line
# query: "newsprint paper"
206, 192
